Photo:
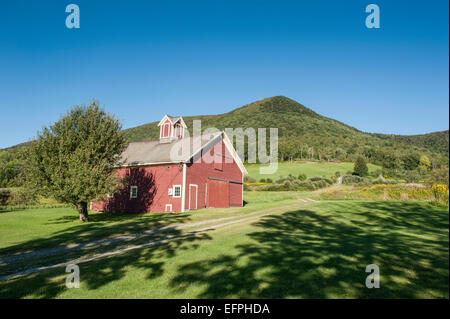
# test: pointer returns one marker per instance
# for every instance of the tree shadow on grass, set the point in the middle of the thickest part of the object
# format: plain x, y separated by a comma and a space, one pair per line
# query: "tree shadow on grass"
324, 254
102, 271
317, 253
123, 217
48, 251
101, 225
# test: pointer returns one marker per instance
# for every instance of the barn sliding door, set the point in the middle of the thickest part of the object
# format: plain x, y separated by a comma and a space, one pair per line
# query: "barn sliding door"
218, 193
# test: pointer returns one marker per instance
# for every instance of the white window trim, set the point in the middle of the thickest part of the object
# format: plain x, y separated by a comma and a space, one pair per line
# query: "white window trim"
196, 195
174, 196
131, 191
170, 206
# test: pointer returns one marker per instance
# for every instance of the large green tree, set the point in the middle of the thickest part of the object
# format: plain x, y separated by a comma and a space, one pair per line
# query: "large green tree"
73, 160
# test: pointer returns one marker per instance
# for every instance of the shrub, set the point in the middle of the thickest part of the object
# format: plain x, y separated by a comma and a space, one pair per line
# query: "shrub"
441, 193
302, 177
16, 197
351, 179
249, 179
412, 176
337, 174
355, 179
269, 180
424, 163
365, 182
280, 180
22, 197
5, 195
262, 180
385, 192
376, 173
306, 186
360, 167
379, 180
289, 184
439, 176
319, 184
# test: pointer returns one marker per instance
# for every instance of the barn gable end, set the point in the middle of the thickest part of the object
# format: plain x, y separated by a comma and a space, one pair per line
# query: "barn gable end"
209, 176
217, 177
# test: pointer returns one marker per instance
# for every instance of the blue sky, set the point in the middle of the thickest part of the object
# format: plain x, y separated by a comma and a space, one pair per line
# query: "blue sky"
142, 59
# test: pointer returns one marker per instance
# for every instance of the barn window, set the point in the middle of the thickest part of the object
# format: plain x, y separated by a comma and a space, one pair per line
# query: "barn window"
176, 190
166, 129
178, 130
133, 191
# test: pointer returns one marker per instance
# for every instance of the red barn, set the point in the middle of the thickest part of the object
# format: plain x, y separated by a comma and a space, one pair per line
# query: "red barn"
178, 173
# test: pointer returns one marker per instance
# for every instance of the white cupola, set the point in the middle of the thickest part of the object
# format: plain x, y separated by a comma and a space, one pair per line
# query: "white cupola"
171, 128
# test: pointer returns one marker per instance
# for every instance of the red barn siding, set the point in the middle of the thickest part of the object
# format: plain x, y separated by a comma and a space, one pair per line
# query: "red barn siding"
198, 173
235, 194
203, 180
219, 193
153, 183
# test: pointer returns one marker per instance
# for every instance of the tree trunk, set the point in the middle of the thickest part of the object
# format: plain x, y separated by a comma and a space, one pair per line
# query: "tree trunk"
83, 211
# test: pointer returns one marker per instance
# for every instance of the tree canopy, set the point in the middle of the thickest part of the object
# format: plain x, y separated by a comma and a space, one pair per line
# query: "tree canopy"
73, 160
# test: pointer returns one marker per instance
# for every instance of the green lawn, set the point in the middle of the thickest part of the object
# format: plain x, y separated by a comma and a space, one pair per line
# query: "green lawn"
301, 251
25, 230
311, 169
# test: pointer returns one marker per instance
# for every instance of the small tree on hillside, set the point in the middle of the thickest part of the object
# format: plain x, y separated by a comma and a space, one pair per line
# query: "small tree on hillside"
424, 164
73, 160
360, 167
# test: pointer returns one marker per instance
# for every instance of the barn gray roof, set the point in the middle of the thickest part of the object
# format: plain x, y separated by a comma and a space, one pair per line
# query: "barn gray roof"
155, 152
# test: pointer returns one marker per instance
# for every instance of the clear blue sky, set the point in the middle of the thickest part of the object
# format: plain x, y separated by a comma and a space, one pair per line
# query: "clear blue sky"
143, 59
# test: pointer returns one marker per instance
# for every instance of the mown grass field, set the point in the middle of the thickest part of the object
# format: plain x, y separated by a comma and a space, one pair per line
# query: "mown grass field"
301, 250
23, 230
311, 169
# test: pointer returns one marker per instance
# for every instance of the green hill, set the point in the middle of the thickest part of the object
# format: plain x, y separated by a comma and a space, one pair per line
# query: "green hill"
435, 142
303, 134
306, 134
